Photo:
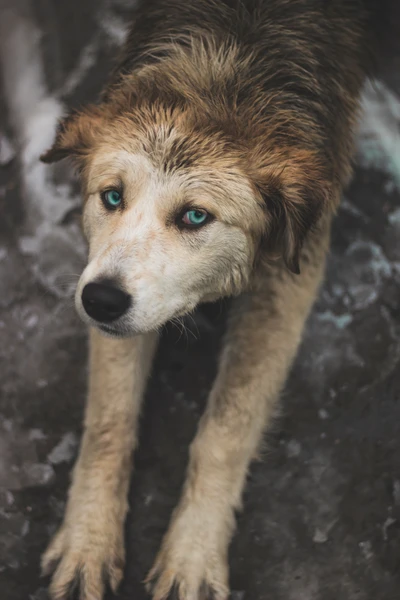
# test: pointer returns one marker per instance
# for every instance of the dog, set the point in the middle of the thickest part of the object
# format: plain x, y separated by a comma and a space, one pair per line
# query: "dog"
211, 167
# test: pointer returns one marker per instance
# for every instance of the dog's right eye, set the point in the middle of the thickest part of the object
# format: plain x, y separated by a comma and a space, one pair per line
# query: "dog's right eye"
111, 199
193, 218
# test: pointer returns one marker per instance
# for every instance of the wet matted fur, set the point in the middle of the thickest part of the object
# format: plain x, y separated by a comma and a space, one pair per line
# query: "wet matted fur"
241, 113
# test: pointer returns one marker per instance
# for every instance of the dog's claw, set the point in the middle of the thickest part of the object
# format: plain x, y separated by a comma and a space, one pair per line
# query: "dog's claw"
53, 554
87, 567
167, 585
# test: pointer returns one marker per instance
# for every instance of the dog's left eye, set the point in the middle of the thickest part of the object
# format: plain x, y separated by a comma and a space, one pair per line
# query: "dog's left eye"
195, 218
112, 199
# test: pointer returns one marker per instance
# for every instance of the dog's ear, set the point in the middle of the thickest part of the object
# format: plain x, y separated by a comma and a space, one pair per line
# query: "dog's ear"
76, 135
294, 197
298, 212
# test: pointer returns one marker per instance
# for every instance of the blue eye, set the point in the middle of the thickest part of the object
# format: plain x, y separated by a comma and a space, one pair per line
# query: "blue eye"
112, 199
195, 217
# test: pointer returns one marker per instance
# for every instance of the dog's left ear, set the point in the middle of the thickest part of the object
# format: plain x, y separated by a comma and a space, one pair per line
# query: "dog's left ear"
302, 209
294, 197
76, 135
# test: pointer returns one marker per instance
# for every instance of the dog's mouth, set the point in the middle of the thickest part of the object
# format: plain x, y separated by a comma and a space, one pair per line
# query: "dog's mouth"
115, 332
129, 325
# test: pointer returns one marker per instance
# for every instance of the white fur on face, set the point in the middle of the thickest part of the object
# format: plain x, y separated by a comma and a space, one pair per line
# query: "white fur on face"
166, 270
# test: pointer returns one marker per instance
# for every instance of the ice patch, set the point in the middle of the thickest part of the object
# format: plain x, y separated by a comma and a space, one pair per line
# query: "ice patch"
42, 383
87, 60
379, 131
340, 321
388, 523
394, 218
7, 151
365, 269
353, 210
323, 414
65, 450
389, 187
36, 434
366, 549
19, 464
32, 321
320, 537
10, 498
396, 492
59, 257
34, 115
148, 499
25, 528
330, 356
293, 449
116, 28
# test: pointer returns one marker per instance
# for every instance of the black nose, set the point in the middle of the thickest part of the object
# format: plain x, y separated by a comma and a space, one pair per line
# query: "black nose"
104, 302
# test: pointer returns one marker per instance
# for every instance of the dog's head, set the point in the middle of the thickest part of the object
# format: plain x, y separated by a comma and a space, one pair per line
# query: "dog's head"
178, 211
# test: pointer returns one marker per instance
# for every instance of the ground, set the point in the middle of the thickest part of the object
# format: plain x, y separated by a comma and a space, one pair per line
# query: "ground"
321, 518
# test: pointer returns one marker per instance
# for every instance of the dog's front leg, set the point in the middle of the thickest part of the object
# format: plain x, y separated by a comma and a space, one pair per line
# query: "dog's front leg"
263, 335
89, 546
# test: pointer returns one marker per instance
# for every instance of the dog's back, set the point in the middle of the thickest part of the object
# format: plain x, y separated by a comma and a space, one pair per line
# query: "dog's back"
281, 70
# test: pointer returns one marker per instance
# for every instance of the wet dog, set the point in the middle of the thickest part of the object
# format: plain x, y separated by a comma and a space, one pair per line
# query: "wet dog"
211, 167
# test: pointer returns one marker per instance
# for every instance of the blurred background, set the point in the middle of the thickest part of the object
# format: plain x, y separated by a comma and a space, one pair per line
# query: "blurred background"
322, 511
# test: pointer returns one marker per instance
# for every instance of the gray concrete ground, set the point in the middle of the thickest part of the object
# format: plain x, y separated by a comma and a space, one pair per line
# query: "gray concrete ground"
321, 516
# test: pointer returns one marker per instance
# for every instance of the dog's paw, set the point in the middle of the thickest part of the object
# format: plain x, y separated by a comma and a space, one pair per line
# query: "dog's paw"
84, 557
191, 564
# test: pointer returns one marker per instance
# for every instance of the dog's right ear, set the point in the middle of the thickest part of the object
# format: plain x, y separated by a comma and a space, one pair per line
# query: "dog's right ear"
76, 135
295, 187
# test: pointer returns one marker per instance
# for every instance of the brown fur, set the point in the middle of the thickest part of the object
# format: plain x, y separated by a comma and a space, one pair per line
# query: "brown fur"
251, 104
